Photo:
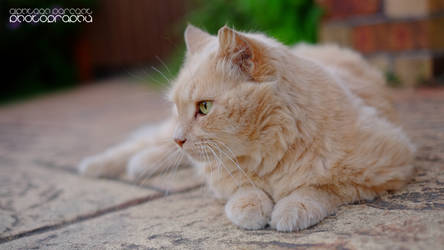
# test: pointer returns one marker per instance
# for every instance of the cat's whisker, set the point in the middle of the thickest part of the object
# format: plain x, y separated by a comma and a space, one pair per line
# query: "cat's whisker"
208, 143
177, 157
136, 75
149, 172
221, 163
142, 74
154, 80
176, 165
199, 147
235, 163
233, 158
173, 167
202, 152
229, 149
164, 65
207, 158
161, 73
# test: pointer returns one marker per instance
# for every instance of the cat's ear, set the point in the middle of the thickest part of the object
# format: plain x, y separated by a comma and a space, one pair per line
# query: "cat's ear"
195, 38
245, 54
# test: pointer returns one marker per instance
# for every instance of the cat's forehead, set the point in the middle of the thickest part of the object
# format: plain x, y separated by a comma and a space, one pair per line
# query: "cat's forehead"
197, 81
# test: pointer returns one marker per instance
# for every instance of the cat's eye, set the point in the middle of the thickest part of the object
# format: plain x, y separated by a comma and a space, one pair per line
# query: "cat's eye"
204, 107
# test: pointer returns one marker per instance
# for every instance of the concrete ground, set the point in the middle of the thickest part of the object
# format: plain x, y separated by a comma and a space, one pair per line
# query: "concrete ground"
45, 204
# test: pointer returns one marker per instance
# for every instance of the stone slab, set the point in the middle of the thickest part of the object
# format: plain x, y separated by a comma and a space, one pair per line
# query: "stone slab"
195, 221
33, 197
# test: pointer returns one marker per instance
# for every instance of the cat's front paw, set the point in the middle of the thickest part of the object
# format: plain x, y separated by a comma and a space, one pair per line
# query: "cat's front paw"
139, 166
249, 208
293, 214
149, 162
92, 166
100, 166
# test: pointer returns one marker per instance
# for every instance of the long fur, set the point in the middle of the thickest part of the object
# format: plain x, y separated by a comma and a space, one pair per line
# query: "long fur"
293, 132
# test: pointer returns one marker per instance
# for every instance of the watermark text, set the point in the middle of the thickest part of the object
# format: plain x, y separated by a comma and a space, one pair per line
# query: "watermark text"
50, 15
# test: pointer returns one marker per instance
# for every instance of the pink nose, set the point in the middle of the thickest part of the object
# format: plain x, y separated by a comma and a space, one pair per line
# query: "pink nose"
180, 142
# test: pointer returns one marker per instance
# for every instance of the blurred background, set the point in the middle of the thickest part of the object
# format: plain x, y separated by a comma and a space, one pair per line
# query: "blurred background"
143, 39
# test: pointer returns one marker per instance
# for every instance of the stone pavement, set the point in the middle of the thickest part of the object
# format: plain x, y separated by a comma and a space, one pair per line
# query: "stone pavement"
45, 204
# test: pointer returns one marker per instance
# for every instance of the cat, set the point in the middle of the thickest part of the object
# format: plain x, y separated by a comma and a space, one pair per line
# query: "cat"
283, 135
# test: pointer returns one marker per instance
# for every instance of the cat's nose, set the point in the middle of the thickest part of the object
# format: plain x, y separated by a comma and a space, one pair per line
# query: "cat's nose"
180, 141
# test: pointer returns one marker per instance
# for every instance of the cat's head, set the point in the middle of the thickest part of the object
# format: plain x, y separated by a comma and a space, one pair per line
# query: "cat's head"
225, 94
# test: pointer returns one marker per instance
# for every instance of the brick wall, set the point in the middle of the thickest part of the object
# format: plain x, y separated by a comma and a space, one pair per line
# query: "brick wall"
128, 34
404, 38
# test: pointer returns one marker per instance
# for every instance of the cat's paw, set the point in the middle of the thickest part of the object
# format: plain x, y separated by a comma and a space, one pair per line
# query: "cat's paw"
249, 209
139, 167
293, 213
92, 166
149, 162
99, 166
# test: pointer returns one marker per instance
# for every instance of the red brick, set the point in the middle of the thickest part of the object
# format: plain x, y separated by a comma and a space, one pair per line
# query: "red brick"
381, 38
435, 33
363, 39
370, 38
336, 33
421, 34
412, 8
338, 9
436, 6
399, 36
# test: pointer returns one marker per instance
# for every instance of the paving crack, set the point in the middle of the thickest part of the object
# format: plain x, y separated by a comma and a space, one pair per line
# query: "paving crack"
97, 213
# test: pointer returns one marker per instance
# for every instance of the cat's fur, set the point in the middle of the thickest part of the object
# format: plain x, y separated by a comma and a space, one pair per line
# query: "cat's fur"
293, 132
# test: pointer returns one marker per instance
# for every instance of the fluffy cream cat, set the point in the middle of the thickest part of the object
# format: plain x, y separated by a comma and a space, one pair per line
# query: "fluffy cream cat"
284, 135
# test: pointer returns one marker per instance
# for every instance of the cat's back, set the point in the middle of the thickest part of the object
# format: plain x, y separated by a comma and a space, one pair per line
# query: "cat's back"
354, 71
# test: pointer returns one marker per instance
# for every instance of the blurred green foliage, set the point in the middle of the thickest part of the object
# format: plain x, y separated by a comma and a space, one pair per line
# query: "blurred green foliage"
289, 21
38, 56
392, 79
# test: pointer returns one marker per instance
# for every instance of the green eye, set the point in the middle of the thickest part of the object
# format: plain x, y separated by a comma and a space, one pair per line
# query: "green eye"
205, 107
